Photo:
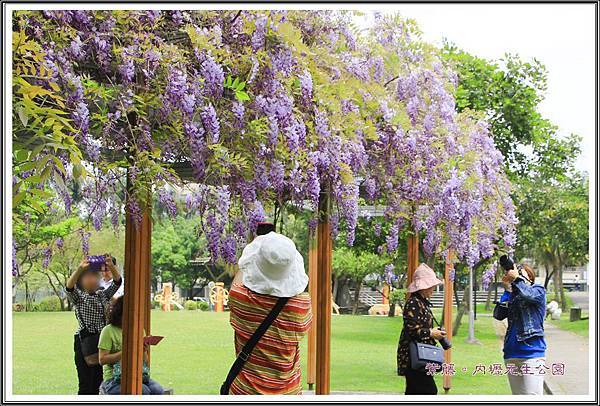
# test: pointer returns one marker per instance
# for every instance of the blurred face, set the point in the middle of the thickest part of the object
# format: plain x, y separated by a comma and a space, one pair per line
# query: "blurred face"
426, 293
90, 281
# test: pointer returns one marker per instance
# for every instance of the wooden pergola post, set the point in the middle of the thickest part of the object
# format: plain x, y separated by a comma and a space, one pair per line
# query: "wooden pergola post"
413, 257
323, 319
448, 296
312, 291
136, 312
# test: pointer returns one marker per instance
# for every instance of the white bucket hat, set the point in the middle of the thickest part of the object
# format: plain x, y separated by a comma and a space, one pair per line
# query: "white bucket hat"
271, 265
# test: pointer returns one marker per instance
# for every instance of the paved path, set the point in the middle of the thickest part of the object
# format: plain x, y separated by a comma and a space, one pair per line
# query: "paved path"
581, 299
567, 348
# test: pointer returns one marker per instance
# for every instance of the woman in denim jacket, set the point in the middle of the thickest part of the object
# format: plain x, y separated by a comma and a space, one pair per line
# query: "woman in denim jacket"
524, 304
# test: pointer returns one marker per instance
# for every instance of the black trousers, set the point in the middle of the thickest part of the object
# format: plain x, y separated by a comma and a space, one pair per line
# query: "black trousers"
419, 383
89, 378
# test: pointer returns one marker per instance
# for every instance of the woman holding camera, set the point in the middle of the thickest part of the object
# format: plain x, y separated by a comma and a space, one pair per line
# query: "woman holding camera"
524, 304
418, 327
90, 302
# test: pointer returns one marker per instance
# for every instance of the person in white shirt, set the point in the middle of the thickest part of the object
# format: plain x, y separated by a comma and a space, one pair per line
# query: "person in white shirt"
107, 279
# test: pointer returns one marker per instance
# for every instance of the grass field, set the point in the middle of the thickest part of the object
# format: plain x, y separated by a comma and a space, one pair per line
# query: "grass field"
580, 327
198, 351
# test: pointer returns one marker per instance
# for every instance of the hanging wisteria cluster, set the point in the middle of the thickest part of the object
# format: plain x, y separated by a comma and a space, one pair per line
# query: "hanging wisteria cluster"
272, 108
437, 171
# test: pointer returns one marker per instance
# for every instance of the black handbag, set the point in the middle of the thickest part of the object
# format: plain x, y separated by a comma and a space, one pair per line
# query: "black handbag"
422, 354
89, 347
242, 357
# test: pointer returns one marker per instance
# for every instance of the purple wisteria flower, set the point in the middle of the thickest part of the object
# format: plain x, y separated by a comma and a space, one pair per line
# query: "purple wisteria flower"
85, 242
213, 76
47, 257
211, 123
306, 87
166, 197
391, 241
258, 36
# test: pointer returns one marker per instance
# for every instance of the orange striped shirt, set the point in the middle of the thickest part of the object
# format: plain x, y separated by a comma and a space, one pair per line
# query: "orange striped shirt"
273, 367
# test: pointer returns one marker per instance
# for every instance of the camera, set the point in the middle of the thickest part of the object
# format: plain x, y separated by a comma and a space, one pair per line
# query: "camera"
96, 262
506, 263
444, 342
264, 228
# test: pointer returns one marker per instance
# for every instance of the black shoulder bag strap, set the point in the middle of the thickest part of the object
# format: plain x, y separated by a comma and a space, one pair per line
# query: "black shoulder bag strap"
251, 343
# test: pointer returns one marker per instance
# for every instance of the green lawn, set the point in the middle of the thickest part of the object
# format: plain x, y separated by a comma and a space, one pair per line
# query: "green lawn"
580, 327
198, 351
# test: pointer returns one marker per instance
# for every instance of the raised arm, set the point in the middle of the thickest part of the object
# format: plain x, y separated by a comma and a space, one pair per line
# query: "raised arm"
73, 293
75, 275
530, 293
112, 268
117, 280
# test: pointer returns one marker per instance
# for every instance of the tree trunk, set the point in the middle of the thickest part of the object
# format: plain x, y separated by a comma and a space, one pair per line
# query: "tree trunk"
26, 296
56, 291
472, 306
462, 309
356, 296
392, 311
334, 292
495, 288
563, 296
456, 294
548, 276
488, 300
556, 282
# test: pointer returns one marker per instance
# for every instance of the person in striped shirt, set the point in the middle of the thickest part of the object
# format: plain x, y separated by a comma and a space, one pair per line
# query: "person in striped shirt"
270, 267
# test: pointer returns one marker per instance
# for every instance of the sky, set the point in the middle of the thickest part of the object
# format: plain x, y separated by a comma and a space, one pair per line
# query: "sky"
561, 36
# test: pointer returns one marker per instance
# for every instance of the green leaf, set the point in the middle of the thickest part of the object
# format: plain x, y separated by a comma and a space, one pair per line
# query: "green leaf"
77, 171
22, 155
18, 198
242, 96
23, 116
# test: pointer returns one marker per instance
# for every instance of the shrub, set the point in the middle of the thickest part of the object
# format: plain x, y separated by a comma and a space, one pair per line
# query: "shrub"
397, 296
190, 305
203, 306
18, 307
49, 304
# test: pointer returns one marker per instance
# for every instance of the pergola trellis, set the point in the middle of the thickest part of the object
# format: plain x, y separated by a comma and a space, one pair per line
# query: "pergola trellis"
137, 295
138, 236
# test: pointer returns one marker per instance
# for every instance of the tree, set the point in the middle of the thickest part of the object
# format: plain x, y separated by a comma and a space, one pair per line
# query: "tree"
356, 265
551, 197
555, 223
174, 245
509, 92
36, 235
